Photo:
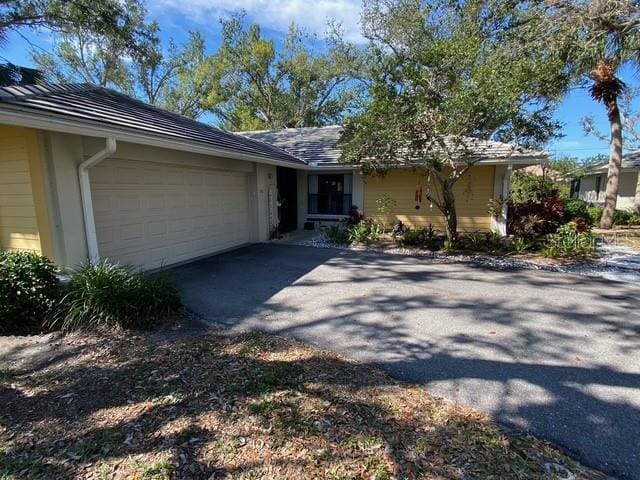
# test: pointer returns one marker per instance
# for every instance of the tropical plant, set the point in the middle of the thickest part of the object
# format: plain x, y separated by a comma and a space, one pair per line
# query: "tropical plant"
571, 239
474, 241
364, 232
106, 294
443, 74
28, 292
523, 244
535, 217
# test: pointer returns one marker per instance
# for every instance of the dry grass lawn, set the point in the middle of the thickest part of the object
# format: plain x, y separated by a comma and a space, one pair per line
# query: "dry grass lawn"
245, 406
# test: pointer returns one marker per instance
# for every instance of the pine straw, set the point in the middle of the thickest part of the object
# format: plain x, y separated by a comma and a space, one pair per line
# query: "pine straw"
244, 406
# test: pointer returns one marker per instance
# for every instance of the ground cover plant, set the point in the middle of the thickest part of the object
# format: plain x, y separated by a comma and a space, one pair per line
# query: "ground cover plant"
246, 406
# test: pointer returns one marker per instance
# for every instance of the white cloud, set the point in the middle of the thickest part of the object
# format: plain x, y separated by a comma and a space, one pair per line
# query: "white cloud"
276, 15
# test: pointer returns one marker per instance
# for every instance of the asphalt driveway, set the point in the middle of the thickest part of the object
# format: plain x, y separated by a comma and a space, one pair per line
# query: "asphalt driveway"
555, 354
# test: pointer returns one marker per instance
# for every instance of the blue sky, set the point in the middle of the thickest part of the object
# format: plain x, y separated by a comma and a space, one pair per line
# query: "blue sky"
177, 17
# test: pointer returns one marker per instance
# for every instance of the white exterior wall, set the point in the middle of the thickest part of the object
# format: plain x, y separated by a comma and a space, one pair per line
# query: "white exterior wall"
626, 192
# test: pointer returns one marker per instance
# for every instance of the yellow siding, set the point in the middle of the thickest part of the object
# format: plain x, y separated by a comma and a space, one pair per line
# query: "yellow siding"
23, 212
472, 192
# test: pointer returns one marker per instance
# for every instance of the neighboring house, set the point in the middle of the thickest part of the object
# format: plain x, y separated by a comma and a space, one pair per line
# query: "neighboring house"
591, 187
326, 192
88, 173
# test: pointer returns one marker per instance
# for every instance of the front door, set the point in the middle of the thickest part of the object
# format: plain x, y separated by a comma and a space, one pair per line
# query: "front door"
288, 199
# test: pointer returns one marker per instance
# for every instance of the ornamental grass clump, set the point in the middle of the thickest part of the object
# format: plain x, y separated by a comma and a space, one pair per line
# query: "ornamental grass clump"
106, 294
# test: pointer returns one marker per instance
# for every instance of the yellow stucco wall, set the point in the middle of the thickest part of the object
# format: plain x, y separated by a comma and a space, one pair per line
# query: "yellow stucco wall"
473, 192
24, 221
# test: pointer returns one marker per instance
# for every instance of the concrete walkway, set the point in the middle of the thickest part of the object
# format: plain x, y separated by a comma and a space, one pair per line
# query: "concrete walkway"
553, 353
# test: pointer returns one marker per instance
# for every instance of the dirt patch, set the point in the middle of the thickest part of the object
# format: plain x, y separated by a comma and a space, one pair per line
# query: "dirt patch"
220, 405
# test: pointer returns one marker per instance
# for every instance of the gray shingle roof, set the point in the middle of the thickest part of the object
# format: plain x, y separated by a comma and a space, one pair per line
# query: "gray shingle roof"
319, 144
90, 103
629, 161
310, 144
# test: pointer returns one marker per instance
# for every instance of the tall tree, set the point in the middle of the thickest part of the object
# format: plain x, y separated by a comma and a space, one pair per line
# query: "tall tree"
630, 129
108, 17
596, 38
259, 85
175, 78
100, 57
445, 74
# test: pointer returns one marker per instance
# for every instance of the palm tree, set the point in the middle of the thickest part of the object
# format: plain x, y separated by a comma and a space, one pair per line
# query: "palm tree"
607, 88
595, 38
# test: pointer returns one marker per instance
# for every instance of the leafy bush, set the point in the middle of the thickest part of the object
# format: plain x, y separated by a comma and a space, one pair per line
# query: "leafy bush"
536, 217
527, 186
625, 217
107, 294
576, 208
595, 214
421, 237
620, 217
571, 239
364, 232
28, 292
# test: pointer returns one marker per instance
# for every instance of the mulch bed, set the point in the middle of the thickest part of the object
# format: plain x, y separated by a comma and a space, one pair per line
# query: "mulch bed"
246, 406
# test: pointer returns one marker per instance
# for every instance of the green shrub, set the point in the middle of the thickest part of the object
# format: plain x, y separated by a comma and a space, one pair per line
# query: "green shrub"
571, 239
595, 214
620, 217
364, 232
28, 292
107, 294
524, 244
420, 237
625, 217
337, 233
576, 208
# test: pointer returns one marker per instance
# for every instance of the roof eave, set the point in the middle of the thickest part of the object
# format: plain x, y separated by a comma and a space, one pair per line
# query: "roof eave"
25, 117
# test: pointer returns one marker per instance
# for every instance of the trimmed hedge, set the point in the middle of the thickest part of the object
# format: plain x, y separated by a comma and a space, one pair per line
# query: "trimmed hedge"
28, 292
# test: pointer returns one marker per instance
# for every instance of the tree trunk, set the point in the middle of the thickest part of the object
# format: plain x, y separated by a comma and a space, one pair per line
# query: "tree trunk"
451, 217
615, 162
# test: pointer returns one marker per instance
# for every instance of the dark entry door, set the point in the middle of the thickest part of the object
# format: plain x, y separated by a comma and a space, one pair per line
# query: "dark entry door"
288, 197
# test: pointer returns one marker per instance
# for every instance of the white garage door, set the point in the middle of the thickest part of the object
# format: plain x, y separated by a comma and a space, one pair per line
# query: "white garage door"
151, 215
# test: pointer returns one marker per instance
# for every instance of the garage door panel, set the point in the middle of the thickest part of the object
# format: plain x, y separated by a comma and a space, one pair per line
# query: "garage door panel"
166, 213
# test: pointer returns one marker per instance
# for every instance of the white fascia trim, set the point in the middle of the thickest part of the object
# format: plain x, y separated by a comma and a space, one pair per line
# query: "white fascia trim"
46, 121
85, 194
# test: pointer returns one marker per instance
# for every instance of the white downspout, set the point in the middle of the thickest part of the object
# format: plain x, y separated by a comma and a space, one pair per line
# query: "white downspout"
85, 193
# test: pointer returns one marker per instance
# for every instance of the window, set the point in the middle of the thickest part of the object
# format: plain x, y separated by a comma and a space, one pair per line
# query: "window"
329, 194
